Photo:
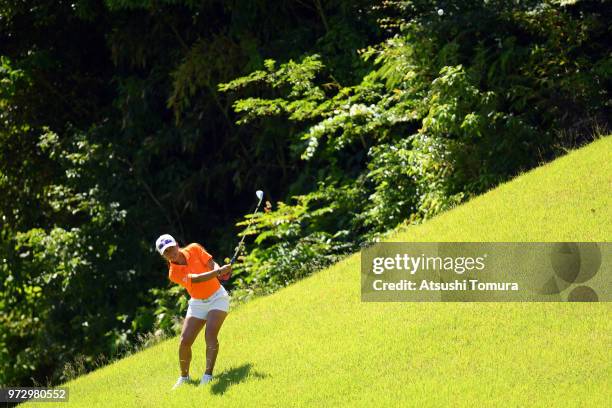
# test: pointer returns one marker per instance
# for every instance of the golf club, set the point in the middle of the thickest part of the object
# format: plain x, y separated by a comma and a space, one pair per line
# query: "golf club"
260, 196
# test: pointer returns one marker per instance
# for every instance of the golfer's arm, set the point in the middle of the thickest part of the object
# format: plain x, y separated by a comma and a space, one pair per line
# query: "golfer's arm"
201, 277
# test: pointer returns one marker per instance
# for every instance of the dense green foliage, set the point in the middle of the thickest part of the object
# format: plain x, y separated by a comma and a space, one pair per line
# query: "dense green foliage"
121, 120
457, 102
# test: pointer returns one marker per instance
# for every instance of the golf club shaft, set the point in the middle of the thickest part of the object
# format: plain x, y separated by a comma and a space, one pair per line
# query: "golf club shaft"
242, 240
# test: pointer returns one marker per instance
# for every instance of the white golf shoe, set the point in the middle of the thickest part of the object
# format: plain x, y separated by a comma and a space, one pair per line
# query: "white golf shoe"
180, 381
206, 378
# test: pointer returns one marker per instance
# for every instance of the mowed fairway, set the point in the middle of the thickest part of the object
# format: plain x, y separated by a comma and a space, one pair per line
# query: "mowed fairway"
315, 343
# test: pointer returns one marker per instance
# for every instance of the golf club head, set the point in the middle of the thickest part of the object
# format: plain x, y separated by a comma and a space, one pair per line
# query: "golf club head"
259, 194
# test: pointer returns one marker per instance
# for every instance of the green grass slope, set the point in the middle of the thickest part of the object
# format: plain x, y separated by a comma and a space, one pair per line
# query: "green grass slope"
315, 343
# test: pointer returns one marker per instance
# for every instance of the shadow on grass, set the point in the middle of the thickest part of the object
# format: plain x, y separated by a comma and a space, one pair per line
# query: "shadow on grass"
234, 376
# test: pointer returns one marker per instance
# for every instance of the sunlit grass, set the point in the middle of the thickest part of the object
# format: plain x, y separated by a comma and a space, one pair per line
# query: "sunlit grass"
568, 199
315, 343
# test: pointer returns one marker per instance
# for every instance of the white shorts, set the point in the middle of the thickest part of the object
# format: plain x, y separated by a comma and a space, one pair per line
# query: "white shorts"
199, 308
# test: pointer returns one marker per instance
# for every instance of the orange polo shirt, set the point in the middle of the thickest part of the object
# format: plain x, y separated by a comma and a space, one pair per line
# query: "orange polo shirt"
197, 262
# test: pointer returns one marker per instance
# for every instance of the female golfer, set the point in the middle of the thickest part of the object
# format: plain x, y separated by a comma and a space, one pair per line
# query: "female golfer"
194, 269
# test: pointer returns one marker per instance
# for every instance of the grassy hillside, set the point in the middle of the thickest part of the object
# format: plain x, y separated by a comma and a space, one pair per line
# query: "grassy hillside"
316, 344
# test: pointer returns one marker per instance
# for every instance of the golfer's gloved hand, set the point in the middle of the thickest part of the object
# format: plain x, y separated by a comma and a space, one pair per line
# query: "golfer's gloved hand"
225, 272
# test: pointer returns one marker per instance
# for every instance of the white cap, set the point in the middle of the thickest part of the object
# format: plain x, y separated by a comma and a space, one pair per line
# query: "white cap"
163, 242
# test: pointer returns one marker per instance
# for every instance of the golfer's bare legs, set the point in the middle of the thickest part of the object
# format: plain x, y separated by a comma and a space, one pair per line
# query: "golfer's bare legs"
191, 328
214, 321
